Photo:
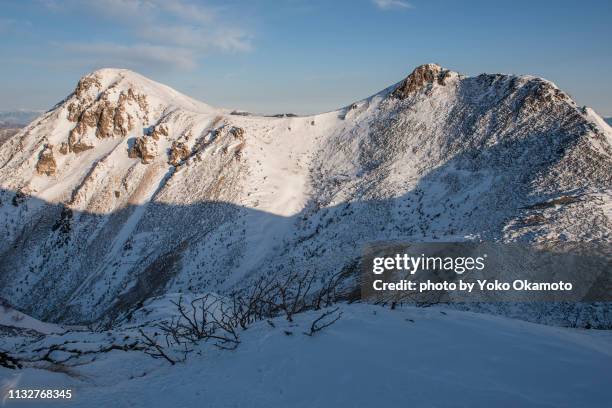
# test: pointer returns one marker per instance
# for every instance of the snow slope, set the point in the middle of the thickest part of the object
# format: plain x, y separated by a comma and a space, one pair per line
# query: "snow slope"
370, 357
127, 189
11, 318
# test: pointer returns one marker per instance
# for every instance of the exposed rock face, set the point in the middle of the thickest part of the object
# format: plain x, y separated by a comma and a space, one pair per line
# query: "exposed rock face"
158, 131
75, 143
422, 77
178, 152
145, 148
543, 95
46, 164
85, 84
237, 132
106, 121
103, 111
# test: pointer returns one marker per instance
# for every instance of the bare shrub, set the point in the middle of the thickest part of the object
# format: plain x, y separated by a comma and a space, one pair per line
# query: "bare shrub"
216, 319
8, 361
325, 320
154, 349
207, 318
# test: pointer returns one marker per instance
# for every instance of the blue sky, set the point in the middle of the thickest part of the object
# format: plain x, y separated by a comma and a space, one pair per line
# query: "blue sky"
299, 56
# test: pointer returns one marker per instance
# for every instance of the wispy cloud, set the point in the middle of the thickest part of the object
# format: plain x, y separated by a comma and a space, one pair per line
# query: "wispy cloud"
197, 38
166, 33
8, 25
190, 12
136, 56
392, 4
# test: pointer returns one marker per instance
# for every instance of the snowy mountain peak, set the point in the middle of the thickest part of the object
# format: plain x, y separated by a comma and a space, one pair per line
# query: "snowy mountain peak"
422, 77
115, 80
109, 104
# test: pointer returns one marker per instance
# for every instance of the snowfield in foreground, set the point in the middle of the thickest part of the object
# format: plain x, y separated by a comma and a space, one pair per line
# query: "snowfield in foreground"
371, 357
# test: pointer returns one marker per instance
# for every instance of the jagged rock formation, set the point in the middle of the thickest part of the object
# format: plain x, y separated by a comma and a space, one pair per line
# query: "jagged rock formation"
158, 131
46, 162
107, 113
422, 77
154, 192
178, 152
145, 148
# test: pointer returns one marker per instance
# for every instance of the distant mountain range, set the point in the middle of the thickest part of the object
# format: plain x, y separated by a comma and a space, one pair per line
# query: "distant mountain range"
608, 121
18, 118
128, 189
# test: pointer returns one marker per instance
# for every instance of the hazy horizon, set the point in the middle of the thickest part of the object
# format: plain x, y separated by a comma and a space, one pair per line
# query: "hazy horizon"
295, 55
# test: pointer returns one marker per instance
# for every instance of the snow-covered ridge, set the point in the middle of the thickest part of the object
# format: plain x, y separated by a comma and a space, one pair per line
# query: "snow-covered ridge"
124, 79
128, 189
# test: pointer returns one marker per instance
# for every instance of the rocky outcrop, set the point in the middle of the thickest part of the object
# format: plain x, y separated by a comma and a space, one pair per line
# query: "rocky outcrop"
46, 164
105, 120
64, 148
76, 143
422, 77
108, 118
107, 113
178, 152
543, 95
144, 148
158, 131
85, 84
237, 132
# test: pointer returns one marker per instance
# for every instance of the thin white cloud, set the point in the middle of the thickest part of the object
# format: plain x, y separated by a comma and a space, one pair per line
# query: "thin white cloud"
196, 38
190, 12
157, 11
392, 4
137, 56
168, 33
115, 9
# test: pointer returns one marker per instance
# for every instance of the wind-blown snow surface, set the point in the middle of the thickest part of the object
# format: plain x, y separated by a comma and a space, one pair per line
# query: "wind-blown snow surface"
371, 357
128, 189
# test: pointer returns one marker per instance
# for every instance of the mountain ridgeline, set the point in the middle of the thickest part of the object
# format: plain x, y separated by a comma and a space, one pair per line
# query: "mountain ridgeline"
128, 189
